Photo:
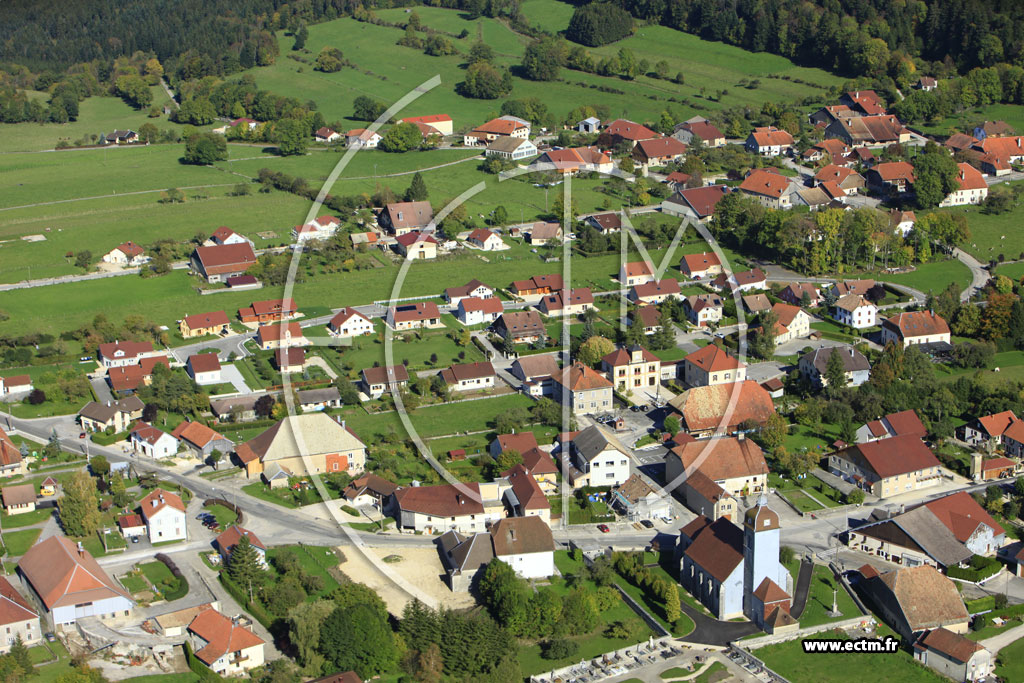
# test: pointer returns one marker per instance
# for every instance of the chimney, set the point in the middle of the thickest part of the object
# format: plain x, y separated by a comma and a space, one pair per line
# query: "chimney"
511, 533
81, 549
740, 436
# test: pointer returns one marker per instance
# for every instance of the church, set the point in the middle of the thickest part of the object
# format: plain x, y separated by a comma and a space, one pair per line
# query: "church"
736, 572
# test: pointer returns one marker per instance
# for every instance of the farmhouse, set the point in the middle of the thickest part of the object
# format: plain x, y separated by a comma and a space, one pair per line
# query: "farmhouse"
735, 465
468, 507
623, 130
768, 187
440, 122
951, 654
915, 327
854, 310
522, 327
869, 131
704, 408
572, 160
217, 263
201, 440
314, 438
404, 217
696, 203
700, 131
17, 617
916, 599
972, 188
507, 147
888, 467
503, 126
659, 151
202, 324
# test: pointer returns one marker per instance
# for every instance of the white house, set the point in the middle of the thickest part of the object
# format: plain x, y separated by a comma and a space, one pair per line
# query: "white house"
635, 273
596, 458
526, 545
18, 617
204, 368
508, 147
348, 322
121, 353
164, 515
971, 189
484, 239
15, 384
473, 311
915, 327
362, 138
856, 311
469, 376
147, 440
224, 646
769, 141
126, 255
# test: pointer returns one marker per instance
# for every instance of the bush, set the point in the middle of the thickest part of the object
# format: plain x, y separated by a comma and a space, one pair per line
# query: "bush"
559, 648
349, 510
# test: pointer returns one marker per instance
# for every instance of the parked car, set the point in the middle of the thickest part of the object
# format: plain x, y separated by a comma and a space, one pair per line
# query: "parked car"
135, 539
648, 524
603, 528
81, 435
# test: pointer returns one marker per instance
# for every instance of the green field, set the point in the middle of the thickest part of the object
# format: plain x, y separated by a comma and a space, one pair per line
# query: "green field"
1014, 271
382, 69
1011, 662
994, 234
965, 121
931, 277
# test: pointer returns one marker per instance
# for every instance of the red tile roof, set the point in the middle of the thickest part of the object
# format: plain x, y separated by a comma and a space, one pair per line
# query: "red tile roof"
196, 433
627, 130
222, 636
694, 263
579, 377
537, 462
13, 607
526, 488
764, 182
703, 199
445, 500
665, 287
998, 423
203, 320
421, 310
226, 257
660, 148
63, 576
157, 500
970, 178
895, 170
204, 362
953, 645
724, 458
770, 136
917, 324
718, 548
713, 359
520, 442
962, 515
230, 537
891, 457
703, 408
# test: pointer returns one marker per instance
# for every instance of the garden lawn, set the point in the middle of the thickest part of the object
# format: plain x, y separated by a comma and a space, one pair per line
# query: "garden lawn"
931, 277
224, 516
1011, 662
17, 543
819, 600
965, 121
25, 519
1014, 271
134, 583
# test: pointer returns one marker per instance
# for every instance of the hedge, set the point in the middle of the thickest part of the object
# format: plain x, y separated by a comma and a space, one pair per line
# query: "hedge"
981, 604
205, 673
182, 589
981, 568
229, 505
242, 598
104, 439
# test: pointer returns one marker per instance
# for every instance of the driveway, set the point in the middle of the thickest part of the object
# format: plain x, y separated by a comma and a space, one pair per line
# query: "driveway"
709, 631
229, 373
102, 389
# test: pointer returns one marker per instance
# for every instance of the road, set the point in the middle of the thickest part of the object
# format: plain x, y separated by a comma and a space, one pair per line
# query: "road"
979, 274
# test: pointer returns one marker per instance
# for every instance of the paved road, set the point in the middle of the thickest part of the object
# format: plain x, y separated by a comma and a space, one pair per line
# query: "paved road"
711, 631
998, 642
803, 587
979, 274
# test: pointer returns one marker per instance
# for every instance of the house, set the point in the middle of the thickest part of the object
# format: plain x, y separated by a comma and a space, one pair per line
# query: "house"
632, 370
473, 288
416, 246
521, 327
521, 442
769, 141
484, 239
586, 390
126, 255
525, 498
700, 266
659, 151
904, 423
15, 384
793, 323
225, 235
202, 324
222, 261
97, 417
469, 376
122, 353
201, 440
902, 221
768, 187
311, 400
507, 147
915, 599
125, 380
541, 467
855, 311
814, 364
18, 618
623, 130
867, 102
268, 311
361, 138
703, 309
677, 180
636, 273
891, 177
544, 233
230, 537
131, 526
404, 217
164, 515
19, 498
735, 466
960, 142
848, 180
704, 408
536, 372
605, 223
474, 311
538, 285
654, 291
348, 322
695, 203
595, 458
988, 428
712, 365
440, 122
869, 131
845, 287
1004, 151
972, 188
756, 303
375, 381
572, 160
951, 654
503, 126
364, 238
591, 124
70, 584
744, 281
888, 467
145, 439
993, 129
943, 532
371, 490
827, 195
647, 316
236, 408
414, 316
927, 84
119, 137
824, 116
915, 327
579, 301
314, 438
466, 508
204, 368
835, 150
325, 134
701, 131
224, 646
638, 500
524, 543
723, 565
290, 360
12, 463
795, 292
270, 337
311, 231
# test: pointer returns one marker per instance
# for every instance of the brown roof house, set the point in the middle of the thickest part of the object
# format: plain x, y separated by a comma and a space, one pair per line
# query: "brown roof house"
414, 316
386, 378
370, 489
903, 423
523, 543
696, 203
11, 462
704, 409
312, 443
18, 617
96, 417
522, 327
888, 467
953, 655
915, 327
769, 141
466, 507
230, 537
655, 291
712, 365
226, 647
722, 565
916, 599
404, 217
769, 188
700, 266
469, 376
586, 390
711, 473
202, 324
222, 261
70, 584
637, 500
19, 498
201, 440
